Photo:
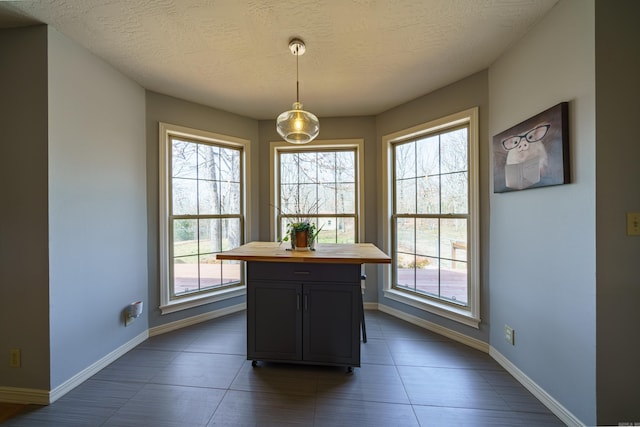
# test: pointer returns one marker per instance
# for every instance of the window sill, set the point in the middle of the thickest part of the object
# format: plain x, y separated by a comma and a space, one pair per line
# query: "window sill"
198, 300
459, 315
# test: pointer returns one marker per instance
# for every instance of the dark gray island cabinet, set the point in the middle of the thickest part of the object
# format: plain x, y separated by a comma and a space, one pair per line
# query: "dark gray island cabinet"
304, 307
306, 313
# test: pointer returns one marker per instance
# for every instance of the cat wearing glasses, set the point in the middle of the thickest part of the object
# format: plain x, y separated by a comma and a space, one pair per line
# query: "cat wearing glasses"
527, 151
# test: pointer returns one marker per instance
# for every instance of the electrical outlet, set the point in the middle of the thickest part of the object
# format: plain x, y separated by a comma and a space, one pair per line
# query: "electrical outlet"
633, 224
509, 335
14, 358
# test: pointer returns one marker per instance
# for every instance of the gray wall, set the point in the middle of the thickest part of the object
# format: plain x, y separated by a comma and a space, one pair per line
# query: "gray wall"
162, 108
24, 285
462, 95
617, 192
97, 207
74, 240
542, 263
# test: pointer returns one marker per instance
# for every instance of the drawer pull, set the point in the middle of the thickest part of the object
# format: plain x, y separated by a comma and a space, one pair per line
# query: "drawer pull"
301, 272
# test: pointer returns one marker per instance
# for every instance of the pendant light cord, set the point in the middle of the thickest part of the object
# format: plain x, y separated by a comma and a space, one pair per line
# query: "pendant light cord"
297, 82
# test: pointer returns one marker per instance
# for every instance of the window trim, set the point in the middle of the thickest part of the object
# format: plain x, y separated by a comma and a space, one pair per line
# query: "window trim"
166, 130
316, 145
466, 315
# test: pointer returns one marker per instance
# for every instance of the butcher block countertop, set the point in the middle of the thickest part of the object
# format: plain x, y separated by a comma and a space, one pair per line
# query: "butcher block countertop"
332, 253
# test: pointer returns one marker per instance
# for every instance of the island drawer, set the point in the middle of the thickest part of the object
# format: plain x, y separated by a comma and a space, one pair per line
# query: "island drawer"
305, 272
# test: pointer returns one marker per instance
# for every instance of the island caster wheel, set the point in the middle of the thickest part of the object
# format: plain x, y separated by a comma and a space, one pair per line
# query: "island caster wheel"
349, 370
254, 363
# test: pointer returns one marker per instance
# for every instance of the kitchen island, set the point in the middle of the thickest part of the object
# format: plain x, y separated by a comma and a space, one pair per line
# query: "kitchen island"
305, 306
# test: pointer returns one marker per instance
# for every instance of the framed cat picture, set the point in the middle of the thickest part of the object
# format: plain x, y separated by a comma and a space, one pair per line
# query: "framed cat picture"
534, 153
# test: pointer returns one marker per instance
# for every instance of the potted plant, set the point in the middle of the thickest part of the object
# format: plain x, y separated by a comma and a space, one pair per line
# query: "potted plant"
302, 234
300, 229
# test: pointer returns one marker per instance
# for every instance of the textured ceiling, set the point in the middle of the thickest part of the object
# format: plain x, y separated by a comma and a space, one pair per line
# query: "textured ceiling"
363, 56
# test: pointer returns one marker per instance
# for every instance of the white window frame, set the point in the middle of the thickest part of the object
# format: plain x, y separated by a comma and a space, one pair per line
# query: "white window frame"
466, 315
317, 145
166, 131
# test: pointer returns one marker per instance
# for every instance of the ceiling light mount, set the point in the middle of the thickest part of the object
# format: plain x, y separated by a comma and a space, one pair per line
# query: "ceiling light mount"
297, 126
297, 47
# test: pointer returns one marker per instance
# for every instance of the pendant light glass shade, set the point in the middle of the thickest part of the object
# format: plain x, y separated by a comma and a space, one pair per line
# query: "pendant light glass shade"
297, 126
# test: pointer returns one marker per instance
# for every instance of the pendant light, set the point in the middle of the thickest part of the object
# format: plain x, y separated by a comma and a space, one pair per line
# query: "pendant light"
297, 126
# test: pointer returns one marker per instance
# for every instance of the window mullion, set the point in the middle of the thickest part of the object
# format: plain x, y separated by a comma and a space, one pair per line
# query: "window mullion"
198, 213
439, 237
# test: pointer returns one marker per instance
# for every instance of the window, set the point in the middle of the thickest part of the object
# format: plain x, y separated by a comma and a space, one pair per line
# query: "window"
202, 213
319, 182
432, 212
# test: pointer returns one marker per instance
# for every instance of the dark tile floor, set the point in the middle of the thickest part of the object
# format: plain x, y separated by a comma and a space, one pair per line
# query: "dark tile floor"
199, 376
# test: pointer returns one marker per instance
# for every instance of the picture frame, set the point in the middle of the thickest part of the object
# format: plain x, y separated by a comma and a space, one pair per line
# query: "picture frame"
533, 153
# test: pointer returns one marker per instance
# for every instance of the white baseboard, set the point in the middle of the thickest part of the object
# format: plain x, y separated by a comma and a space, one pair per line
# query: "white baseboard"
545, 398
46, 397
449, 333
96, 367
179, 324
371, 306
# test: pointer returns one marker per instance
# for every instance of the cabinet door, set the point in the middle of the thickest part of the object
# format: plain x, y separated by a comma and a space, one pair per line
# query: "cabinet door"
331, 323
274, 319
